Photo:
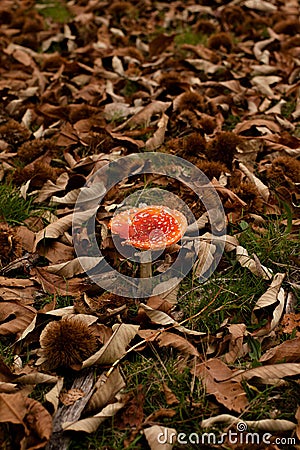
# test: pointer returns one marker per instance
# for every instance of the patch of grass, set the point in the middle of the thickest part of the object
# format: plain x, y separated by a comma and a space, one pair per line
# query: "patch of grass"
275, 247
272, 402
130, 88
231, 122
288, 108
14, 209
55, 9
187, 36
235, 295
6, 353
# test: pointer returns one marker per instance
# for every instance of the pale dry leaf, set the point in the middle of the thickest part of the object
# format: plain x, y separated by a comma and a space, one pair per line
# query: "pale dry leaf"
206, 256
53, 395
254, 266
260, 5
263, 424
115, 347
143, 117
51, 188
160, 438
171, 295
105, 390
35, 378
297, 416
69, 199
261, 187
162, 318
263, 84
74, 267
274, 296
54, 230
269, 372
158, 137
91, 424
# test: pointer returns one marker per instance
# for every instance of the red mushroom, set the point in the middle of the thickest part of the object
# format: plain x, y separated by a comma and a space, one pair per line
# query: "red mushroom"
149, 228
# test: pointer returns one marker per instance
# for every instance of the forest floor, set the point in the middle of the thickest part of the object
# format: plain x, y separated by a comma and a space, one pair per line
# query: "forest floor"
131, 102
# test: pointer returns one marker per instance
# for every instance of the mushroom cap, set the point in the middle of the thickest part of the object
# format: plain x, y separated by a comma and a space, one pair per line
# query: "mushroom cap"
149, 228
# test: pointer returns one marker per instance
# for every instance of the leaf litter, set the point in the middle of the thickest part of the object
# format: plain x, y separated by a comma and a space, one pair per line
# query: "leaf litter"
216, 85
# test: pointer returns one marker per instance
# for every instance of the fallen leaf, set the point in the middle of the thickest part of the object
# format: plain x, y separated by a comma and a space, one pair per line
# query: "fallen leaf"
236, 350
273, 298
263, 424
252, 264
91, 424
105, 390
72, 268
115, 347
14, 318
54, 230
160, 438
218, 381
286, 352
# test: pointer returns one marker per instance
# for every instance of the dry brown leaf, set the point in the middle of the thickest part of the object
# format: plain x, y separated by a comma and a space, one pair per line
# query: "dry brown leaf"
54, 284
39, 420
143, 118
53, 395
297, 416
56, 252
35, 420
170, 397
12, 408
286, 352
51, 188
181, 344
216, 378
18, 289
236, 350
14, 318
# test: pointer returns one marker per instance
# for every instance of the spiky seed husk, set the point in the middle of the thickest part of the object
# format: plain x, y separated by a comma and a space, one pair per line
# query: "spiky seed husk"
66, 342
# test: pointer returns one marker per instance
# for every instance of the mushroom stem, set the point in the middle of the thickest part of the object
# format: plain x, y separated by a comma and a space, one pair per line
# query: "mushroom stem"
146, 270
146, 264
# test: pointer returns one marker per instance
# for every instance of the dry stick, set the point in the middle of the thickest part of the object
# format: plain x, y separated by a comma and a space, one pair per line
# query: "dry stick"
59, 439
157, 333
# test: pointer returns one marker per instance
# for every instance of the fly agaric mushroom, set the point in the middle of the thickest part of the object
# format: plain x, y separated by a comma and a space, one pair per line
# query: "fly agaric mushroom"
149, 228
